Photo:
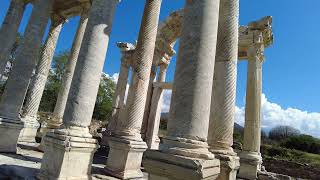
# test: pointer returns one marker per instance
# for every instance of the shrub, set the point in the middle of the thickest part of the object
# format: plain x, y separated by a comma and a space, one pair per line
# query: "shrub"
304, 143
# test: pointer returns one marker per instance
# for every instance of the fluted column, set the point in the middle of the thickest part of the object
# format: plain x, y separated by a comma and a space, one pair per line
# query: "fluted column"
220, 134
186, 140
33, 98
9, 30
60, 106
72, 140
127, 141
250, 157
17, 84
152, 137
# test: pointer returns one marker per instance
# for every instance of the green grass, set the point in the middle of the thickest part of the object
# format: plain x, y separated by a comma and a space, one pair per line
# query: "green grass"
290, 154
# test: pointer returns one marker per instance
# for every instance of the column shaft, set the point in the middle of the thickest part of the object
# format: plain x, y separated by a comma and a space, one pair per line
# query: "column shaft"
9, 30
190, 105
152, 137
131, 125
144, 127
120, 92
126, 145
27, 56
39, 79
220, 135
223, 100
250, 157
252, 129
68, 74
86, 79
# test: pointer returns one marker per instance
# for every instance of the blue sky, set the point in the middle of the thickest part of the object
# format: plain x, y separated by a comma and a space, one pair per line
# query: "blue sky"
291, 78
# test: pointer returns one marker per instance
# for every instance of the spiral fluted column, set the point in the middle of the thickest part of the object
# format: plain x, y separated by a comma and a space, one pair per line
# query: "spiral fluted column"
9, 30
72, 141
126, 141
220, 134
33, 98
18, 82
185, 154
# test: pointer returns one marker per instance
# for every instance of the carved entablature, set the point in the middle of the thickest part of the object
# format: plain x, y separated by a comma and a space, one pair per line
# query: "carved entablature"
70, 8
127, 51
258, 34
163, 53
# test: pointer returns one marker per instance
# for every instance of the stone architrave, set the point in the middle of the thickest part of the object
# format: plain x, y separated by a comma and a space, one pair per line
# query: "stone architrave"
184, 153
17, 84
250, 157
220, 134
9, 30
152, 137
126, 144
60, 106
68, 151
30, 110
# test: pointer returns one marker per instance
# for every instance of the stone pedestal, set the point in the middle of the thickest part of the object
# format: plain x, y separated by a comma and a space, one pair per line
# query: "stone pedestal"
67, 155
229, 165
126, 158
30, 128
10, 130
163, 166
250, 165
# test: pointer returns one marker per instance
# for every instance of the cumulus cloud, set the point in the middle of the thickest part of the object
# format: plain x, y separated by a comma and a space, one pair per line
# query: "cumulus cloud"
272, 115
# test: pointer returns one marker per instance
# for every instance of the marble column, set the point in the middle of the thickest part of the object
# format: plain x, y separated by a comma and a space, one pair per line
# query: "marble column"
60, 106
152, 137
220, 134
153, 73
120, 92
68, 151
9, 30
126, 144
250, 157
17, 84
185, 154
30, 110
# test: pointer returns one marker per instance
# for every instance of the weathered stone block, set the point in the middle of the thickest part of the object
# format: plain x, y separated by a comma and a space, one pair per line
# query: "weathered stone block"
67, 157
29, 131
125, 158
250, 164
229, 166
163, 166
9, 134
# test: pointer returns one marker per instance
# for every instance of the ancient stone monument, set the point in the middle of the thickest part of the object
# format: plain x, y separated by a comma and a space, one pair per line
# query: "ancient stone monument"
198, 143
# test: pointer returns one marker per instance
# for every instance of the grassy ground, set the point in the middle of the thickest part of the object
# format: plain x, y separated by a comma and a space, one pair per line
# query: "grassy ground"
271, 151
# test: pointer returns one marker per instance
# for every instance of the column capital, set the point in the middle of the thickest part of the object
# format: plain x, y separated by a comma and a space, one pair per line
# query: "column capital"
127, 51
163, 52
56, 19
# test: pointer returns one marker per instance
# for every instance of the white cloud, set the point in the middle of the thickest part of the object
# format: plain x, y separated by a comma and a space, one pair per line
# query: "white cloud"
273, 115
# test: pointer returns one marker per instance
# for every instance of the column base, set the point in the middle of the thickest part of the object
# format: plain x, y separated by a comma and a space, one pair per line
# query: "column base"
29, 131
165, 166
125, 156
250, 164
153, 144
9, 134
67, 156
229, 165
